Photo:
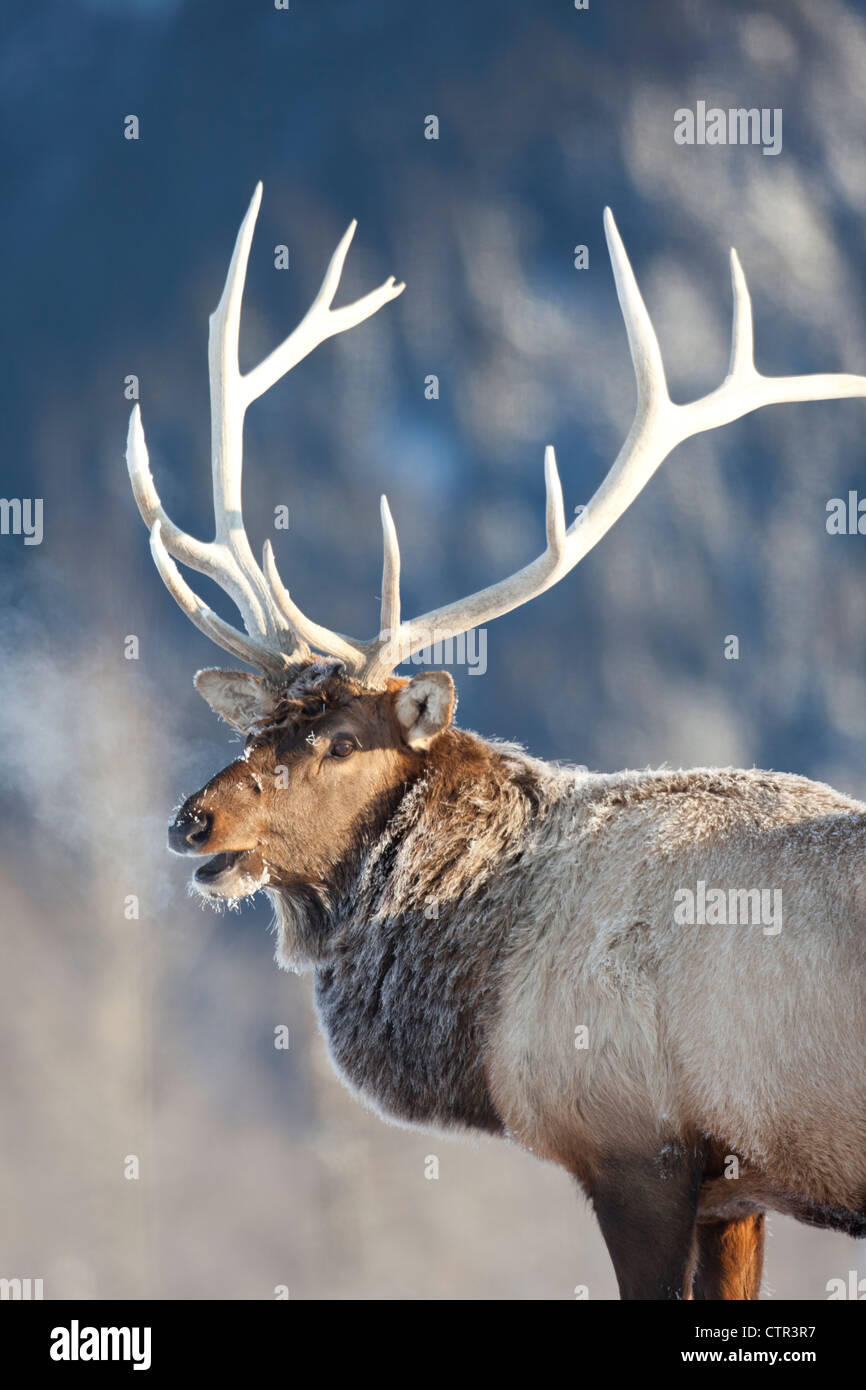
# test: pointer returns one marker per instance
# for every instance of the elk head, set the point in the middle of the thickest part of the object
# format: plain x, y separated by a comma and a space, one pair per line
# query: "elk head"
331, 736
324, 761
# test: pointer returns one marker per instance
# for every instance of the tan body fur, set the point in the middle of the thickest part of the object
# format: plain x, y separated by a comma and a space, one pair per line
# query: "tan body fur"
755, 1041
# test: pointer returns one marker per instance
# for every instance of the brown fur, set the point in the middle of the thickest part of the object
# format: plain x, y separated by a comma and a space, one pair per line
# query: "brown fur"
730, 1259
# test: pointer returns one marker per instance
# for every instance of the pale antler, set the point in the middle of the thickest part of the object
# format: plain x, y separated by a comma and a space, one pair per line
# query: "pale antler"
658, 427
275, 643
270, 614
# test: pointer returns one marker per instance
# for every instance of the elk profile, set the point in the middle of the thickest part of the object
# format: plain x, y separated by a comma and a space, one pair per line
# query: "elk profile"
467, 909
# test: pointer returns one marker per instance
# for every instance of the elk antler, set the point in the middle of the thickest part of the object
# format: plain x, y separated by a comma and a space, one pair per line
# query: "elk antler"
276, 642
658, 427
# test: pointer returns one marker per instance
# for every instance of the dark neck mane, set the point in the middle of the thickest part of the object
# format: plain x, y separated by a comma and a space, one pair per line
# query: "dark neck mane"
408, 938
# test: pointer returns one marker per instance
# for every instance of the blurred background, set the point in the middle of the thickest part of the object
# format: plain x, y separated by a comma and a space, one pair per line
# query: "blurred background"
153, 1036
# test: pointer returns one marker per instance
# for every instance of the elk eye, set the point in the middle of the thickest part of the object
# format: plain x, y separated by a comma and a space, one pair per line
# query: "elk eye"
342, 748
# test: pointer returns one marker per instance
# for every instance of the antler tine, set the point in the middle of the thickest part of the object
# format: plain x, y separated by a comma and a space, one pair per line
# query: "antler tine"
389, 618
374, 660
229, 402
257, 654
742, 363
204, 556
555, 509
186, 548
322, 638
745, 389
658, 427
320, 322
642, 341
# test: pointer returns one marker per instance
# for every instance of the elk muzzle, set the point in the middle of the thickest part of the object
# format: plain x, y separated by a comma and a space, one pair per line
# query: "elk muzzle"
232, 872
190, 830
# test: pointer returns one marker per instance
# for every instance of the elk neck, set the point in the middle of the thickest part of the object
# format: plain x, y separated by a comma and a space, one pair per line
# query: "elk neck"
408, 936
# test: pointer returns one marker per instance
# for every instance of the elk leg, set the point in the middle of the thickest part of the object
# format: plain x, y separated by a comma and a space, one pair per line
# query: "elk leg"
646, 1209
730, 1259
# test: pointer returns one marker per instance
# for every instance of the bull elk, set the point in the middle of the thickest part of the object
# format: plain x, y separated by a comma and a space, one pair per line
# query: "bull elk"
473, 916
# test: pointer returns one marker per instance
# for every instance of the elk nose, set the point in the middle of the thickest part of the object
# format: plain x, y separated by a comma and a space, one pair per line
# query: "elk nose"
190, 831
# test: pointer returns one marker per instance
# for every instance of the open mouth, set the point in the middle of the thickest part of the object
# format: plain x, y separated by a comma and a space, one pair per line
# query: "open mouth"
234, 874
220, 864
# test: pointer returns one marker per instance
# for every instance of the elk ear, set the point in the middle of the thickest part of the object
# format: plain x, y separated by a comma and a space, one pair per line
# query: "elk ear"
424, 707
238, 697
